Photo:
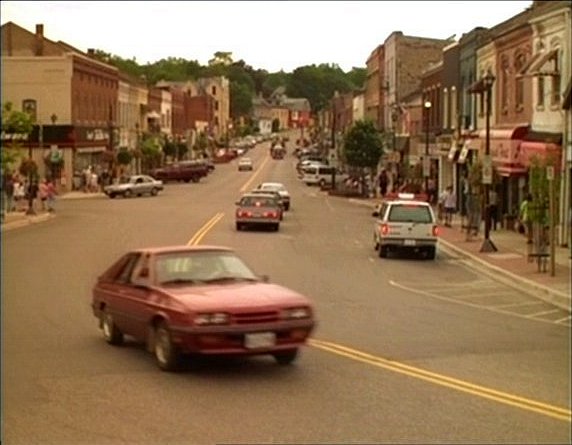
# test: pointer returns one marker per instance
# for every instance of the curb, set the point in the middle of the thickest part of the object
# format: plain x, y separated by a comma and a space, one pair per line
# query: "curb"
544, 293
75, 195
26, 221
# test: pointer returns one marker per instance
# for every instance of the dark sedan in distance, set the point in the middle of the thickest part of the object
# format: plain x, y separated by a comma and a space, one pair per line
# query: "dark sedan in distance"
199, 300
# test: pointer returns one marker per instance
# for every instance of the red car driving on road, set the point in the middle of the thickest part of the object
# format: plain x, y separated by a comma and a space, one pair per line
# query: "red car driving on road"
199, 300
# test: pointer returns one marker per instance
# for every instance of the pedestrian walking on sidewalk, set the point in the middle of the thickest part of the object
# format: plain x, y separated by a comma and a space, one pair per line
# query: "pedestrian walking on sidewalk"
8, 189
50, 196
525, 222
450, 205
43, 193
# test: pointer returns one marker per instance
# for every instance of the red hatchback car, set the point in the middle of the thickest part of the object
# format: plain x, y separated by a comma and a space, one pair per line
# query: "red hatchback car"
199, 300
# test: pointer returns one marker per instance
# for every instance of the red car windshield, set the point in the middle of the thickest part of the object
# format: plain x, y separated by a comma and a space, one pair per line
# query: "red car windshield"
199, 267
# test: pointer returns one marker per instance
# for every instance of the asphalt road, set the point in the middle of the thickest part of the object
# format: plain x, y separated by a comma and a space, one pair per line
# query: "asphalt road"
398, 355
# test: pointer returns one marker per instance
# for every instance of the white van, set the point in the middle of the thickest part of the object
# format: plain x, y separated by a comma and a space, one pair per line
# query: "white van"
319, 175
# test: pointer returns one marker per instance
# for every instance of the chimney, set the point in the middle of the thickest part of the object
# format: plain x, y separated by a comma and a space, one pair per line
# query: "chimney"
39, 40
91, 52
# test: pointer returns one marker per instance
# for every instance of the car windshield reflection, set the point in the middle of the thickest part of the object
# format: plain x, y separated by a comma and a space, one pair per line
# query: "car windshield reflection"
201, 267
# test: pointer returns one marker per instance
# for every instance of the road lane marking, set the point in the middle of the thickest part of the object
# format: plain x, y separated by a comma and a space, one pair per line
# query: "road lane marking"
553, 411
538, 314
563, 320
246, 185
199, 235
526, 303
494, 309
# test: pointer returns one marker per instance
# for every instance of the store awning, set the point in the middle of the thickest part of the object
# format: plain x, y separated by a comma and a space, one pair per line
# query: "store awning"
517, 132
453, 150
541, 150
511, 170
470, 144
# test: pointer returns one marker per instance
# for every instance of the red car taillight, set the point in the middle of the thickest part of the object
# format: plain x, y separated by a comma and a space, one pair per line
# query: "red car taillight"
435, 230
384, 229
271, 214
243, 214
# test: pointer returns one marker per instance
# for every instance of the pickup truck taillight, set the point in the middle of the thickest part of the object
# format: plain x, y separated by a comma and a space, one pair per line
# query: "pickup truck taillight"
435, 230
384, 229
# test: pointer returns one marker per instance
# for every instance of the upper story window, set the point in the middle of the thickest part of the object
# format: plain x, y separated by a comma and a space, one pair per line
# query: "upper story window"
454, 109
504, 79
556, 79
519, 63
216, 105
213, 90
445, 108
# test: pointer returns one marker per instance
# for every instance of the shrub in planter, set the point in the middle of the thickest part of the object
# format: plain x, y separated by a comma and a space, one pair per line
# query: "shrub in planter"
28, 167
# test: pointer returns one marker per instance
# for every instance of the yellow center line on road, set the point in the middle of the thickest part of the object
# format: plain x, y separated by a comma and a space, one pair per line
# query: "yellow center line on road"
545, 409
246, 185
200, 234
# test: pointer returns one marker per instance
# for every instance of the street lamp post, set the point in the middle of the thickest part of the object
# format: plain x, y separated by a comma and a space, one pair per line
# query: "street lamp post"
488, 245
426, 165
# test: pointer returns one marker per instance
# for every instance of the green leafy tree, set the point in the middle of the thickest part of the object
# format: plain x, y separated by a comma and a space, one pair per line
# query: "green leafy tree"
362, 145
318, 83
124, 157
18, 125
357, 77
240, 100
151, 151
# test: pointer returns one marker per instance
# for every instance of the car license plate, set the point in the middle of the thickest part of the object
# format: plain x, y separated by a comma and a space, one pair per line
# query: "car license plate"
409, 242
259, 340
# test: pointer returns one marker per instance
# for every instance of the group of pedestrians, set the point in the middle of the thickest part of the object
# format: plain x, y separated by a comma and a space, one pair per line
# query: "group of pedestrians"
19, 193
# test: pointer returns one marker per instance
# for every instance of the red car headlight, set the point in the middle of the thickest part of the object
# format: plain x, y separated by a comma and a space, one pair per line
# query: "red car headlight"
296, 313
211, 318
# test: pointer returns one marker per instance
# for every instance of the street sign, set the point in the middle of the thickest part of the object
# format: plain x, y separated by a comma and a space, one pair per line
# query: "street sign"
550, 173
487, 170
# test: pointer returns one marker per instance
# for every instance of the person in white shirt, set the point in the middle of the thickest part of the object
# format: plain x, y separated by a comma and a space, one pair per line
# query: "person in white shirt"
450, 204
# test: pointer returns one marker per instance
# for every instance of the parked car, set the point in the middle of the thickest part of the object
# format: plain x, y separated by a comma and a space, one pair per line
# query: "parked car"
245, 164
182, 171
405, 224
258, 210
136, 185
205, 300
277, 187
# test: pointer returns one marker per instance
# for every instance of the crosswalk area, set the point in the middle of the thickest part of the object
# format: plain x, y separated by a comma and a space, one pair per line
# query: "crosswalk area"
485, 293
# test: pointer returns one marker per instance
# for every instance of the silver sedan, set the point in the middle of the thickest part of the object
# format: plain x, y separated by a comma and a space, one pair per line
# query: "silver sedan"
136, 185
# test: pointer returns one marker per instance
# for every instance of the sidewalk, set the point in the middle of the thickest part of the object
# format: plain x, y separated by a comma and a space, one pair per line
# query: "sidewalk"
510, 264
14, 220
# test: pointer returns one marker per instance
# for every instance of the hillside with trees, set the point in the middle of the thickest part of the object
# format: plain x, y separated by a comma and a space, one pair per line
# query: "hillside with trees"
317, 83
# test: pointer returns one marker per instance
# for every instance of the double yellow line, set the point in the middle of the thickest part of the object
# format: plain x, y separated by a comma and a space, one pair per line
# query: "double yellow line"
449, 382
197, 237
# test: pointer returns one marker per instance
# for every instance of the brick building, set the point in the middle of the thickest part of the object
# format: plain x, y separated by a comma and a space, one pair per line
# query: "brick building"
76, 115
375, 87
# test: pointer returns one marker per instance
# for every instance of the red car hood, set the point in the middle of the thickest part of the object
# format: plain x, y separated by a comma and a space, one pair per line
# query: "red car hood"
236, 297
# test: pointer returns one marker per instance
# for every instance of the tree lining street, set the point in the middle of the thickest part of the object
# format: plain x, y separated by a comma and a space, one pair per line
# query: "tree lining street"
64, 384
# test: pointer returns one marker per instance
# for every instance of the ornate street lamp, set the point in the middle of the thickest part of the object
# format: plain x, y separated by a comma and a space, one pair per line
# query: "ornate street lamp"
487, 177
426, 164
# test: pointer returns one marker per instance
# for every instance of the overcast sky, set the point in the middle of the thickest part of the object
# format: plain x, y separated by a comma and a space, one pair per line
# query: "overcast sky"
271, 35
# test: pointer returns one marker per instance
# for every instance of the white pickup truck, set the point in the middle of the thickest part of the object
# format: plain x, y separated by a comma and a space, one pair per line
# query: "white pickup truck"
405, 223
